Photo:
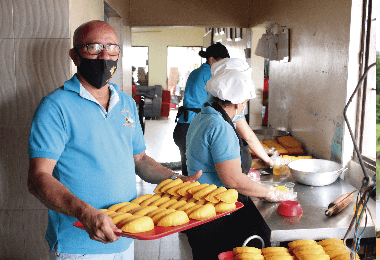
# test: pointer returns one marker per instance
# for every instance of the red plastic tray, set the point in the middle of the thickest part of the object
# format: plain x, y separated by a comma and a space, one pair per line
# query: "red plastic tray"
159, 232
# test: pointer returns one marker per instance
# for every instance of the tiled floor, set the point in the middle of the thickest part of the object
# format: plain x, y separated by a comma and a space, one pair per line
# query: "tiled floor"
161, 147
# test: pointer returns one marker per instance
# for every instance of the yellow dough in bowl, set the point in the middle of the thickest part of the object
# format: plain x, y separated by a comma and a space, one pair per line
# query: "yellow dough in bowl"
204, 212
173, 219
138, 225
228, 196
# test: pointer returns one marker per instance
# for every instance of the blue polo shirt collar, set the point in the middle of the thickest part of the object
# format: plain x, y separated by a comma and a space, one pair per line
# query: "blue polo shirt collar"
74, 85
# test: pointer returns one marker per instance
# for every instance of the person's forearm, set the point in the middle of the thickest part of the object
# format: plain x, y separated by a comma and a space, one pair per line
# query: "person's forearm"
151, 171
231, 176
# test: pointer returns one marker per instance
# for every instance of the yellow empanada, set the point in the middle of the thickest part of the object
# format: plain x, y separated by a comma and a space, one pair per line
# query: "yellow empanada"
204, 212
301, 242
162, 184
201, 194
118, 206
159, 216
138, 225
142, 198
145, 210
184, 190
173, 190
173, 219
177, 205
171, 184
129, 207
246, 249
121, 217
228, 196
224, 207
211, 197
197, 188
150, 200
268, 250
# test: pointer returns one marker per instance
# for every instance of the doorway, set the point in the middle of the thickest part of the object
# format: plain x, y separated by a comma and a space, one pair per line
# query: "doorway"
140, 65
181, 61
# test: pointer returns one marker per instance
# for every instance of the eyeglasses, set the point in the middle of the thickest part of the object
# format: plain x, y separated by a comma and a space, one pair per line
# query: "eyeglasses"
97, 48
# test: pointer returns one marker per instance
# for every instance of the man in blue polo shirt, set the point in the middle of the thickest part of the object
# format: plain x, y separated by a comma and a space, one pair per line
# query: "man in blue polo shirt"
195, 96
85, 147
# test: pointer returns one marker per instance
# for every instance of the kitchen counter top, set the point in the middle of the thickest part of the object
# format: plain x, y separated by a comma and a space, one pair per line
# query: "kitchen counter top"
313, 224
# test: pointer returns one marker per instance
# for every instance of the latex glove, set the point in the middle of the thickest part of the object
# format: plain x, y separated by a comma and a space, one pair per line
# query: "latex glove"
276, 195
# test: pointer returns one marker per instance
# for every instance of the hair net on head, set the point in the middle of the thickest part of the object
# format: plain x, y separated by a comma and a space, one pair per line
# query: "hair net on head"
231, 81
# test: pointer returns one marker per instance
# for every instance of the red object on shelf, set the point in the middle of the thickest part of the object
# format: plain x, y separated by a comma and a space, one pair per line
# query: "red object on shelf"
159, 232
229, 255
290, 208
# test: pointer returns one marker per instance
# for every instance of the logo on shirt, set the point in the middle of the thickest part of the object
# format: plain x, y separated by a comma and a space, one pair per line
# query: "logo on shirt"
128, 118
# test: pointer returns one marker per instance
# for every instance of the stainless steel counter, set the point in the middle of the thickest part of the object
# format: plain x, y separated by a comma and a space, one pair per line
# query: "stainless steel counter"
313, 224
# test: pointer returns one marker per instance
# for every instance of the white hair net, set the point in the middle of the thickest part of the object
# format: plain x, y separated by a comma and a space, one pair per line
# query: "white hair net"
231, 81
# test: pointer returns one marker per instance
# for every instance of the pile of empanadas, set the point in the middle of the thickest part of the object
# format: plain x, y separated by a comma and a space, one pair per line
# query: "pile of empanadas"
332, 248
174, 203
305, 249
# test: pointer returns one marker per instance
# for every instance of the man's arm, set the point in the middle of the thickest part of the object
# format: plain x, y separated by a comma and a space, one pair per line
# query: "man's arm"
55, 196
151, 171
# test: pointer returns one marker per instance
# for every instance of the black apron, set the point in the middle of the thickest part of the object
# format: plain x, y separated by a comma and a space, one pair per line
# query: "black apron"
184, 110
245, 155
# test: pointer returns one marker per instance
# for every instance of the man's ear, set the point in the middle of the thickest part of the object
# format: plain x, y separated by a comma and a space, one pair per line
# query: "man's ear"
74, 56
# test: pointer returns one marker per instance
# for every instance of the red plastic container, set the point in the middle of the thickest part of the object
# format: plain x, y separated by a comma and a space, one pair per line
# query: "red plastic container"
290, 208
229, 255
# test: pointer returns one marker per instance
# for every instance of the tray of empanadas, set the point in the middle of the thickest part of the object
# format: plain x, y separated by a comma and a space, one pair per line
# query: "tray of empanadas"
175, 206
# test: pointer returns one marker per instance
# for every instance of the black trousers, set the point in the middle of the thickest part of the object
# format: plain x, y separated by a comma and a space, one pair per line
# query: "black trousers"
179, 136
208, 240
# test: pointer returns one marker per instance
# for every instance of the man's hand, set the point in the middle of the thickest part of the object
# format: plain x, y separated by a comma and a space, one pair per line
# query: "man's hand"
191, 178
99, 226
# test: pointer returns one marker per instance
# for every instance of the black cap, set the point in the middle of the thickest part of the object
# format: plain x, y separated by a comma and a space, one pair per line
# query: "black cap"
216, 50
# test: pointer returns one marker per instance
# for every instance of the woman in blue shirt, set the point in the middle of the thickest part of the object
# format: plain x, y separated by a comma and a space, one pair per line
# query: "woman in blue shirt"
215, 147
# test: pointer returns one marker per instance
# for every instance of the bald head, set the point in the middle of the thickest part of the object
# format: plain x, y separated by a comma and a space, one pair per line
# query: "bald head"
89, 33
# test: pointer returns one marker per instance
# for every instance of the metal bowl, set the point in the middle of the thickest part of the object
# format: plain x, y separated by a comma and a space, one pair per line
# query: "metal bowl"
315, 172
266, 133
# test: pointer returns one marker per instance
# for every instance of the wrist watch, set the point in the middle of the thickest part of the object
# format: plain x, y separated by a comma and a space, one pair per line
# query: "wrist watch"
175, 176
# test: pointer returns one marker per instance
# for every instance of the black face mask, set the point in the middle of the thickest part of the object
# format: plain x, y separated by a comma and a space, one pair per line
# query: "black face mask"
97, 72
